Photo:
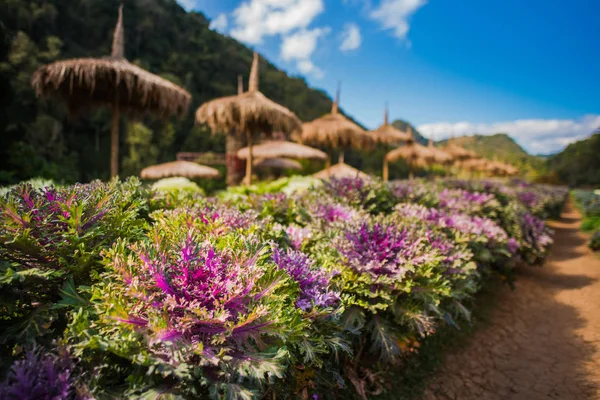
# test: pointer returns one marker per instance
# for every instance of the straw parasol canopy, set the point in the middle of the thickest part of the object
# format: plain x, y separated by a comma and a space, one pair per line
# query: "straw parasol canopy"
334, 130
114, 82
278, 163
459, 153
389, 134
475, 164
512, 170
340, 170
414, 154
439, 156
184, 169
282, 148
247, 114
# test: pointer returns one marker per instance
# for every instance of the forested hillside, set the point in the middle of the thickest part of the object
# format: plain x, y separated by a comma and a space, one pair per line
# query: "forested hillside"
579, 163
503, 148
39, 139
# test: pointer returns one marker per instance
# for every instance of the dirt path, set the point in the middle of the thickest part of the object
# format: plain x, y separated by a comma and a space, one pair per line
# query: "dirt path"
543, 340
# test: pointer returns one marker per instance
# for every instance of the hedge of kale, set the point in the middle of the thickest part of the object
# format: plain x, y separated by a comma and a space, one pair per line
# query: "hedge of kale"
293, 289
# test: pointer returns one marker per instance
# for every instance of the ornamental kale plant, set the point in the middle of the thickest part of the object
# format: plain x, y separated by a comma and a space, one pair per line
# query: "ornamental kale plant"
314, 283
488, 241
41, 376
261, 292
372, 196
216, 315
50, 242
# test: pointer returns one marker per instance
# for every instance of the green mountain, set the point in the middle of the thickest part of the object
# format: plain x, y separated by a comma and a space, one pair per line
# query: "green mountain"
502, 148
403, 126
579, 163
37, 138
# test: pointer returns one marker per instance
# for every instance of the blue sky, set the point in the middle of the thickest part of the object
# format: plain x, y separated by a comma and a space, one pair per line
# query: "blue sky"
530, 68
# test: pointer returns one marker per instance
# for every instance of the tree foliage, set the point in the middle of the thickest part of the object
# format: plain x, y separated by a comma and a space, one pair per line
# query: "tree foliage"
38, 137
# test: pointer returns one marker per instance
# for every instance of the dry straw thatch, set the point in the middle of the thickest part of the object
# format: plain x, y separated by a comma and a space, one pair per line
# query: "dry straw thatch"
459, 153
475, 164
282, 148
278, 163
413, 153
439, 156
94, 82
334, 130
114, 82
340, 170
247, 114
184, 169
388, 134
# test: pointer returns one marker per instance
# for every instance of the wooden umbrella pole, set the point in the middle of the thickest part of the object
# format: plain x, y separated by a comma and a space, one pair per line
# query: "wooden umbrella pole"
114, 141
341, 157
385, 170
411, 175
249, 161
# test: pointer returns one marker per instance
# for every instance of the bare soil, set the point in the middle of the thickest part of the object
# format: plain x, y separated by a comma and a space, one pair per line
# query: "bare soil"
542, 341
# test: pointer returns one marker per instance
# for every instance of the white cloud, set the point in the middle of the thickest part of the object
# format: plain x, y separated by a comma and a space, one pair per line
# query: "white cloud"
307, 67
393, 15
538, 136
187, 4
219, 23
255, 19
351, 38
300, 46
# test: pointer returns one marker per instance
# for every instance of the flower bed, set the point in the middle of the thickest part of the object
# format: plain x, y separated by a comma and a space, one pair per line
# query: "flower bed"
588, 202
274, 290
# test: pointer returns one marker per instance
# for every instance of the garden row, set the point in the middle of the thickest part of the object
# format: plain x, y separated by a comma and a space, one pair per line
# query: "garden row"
588, 202
296, 288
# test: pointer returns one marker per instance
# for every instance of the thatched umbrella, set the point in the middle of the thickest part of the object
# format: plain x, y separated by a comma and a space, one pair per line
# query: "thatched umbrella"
512, 170
458, 152
439, 156
475, 165
414, 154
184, 169
282, 148
388, 134
341, 170
278, 163
247, 114
334, 130
113, 82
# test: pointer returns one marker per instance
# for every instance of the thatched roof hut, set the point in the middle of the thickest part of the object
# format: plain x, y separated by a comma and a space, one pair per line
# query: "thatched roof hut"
341, 170
439, 156
282, 148
247, 114
278, 163
459, 153
114, 82
334, 130
389, 134
184, 169
414, 154
475, 164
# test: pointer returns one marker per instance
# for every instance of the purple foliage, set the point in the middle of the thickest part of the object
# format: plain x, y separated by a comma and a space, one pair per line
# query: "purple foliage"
332, 212
39, 377
199, 288
477, 226
462, 200
535, 232
383, 250
298, 235
314, 284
